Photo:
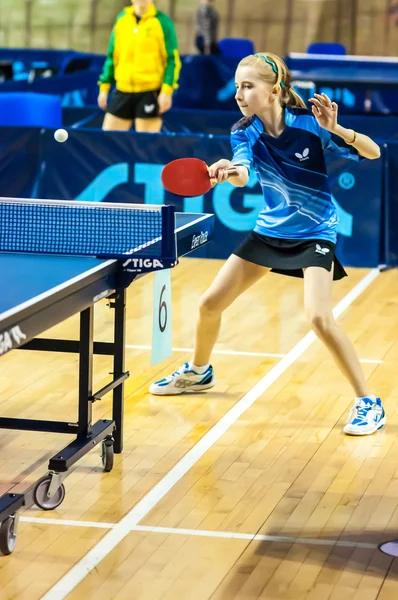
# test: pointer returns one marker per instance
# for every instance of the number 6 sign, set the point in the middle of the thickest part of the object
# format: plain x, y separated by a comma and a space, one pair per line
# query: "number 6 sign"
162, 310
161, 329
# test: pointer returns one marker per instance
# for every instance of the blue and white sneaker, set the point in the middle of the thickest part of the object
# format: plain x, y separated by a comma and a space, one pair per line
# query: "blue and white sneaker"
366, 416
182, 380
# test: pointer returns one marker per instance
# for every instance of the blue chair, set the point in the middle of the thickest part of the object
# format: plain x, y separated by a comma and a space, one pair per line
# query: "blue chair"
236, 47
327, 48
27, 109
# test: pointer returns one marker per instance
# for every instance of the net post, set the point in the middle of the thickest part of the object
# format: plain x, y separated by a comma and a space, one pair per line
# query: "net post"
169, 250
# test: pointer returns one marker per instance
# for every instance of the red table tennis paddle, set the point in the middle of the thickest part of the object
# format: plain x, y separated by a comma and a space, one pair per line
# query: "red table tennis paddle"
188, 177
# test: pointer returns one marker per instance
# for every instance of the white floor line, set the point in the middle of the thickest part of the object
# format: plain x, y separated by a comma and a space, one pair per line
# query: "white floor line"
67, 522
242, 353
111, 539
233, 535
371, 361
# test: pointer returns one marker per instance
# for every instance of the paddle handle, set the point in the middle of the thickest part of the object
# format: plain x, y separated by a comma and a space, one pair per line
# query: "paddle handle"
232, 171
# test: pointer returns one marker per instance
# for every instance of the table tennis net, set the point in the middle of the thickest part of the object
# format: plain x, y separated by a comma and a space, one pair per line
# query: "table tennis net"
74, 228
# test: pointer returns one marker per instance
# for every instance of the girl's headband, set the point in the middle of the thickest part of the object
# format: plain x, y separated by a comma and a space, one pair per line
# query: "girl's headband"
273, 65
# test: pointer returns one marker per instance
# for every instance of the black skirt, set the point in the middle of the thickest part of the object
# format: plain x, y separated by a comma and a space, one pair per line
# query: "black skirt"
290, 257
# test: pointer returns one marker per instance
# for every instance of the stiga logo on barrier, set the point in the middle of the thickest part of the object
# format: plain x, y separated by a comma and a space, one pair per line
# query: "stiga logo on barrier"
11, 339
198, 240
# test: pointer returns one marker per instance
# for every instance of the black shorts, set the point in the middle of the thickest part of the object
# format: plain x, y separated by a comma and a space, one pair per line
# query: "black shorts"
137, 105
290, 257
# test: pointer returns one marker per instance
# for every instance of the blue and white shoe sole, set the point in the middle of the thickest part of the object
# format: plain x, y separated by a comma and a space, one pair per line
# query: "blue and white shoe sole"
174, 391
379, 425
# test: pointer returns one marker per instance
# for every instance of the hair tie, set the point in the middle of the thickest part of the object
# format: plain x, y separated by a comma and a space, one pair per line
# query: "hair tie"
273, 65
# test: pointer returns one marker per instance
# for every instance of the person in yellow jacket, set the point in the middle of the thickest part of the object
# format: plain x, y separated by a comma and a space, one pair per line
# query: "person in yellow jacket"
144, 63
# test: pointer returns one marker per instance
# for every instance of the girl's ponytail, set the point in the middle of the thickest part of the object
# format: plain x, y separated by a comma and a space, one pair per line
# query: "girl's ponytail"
291, 98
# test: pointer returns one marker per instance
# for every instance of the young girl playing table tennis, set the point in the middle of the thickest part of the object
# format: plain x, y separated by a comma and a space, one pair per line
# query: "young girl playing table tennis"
296, 231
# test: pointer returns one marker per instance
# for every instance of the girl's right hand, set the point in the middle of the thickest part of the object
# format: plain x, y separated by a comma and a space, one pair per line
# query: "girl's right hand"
218, 172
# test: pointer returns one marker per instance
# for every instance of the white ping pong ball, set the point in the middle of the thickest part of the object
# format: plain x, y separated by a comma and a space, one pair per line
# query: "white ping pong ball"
61, 135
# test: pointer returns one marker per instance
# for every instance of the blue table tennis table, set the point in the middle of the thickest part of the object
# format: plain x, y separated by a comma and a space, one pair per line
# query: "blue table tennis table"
368, 74
40, 291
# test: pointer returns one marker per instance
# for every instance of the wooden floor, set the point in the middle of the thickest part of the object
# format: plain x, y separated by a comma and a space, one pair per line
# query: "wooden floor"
281, 506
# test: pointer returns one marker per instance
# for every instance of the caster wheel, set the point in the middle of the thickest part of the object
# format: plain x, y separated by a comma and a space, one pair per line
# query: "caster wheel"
107, 454
8, 536
40, 494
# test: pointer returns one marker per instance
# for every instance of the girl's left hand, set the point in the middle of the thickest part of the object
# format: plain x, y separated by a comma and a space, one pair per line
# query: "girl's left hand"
325, 111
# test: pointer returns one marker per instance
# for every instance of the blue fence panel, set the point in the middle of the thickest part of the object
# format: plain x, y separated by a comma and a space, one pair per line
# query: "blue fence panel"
126, 167
14, 86
391, 189
75, 89
19, 161
117, 167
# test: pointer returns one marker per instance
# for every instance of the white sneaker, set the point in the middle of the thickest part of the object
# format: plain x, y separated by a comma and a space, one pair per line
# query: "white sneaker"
182, 380
366, 417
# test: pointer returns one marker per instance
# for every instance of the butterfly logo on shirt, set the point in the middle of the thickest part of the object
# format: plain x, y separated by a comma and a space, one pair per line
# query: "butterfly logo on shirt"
304, 155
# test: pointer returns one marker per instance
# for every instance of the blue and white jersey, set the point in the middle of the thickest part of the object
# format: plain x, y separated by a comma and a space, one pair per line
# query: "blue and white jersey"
292, 173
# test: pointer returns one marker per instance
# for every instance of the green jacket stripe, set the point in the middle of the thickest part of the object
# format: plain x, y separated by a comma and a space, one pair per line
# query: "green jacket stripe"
172, 60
